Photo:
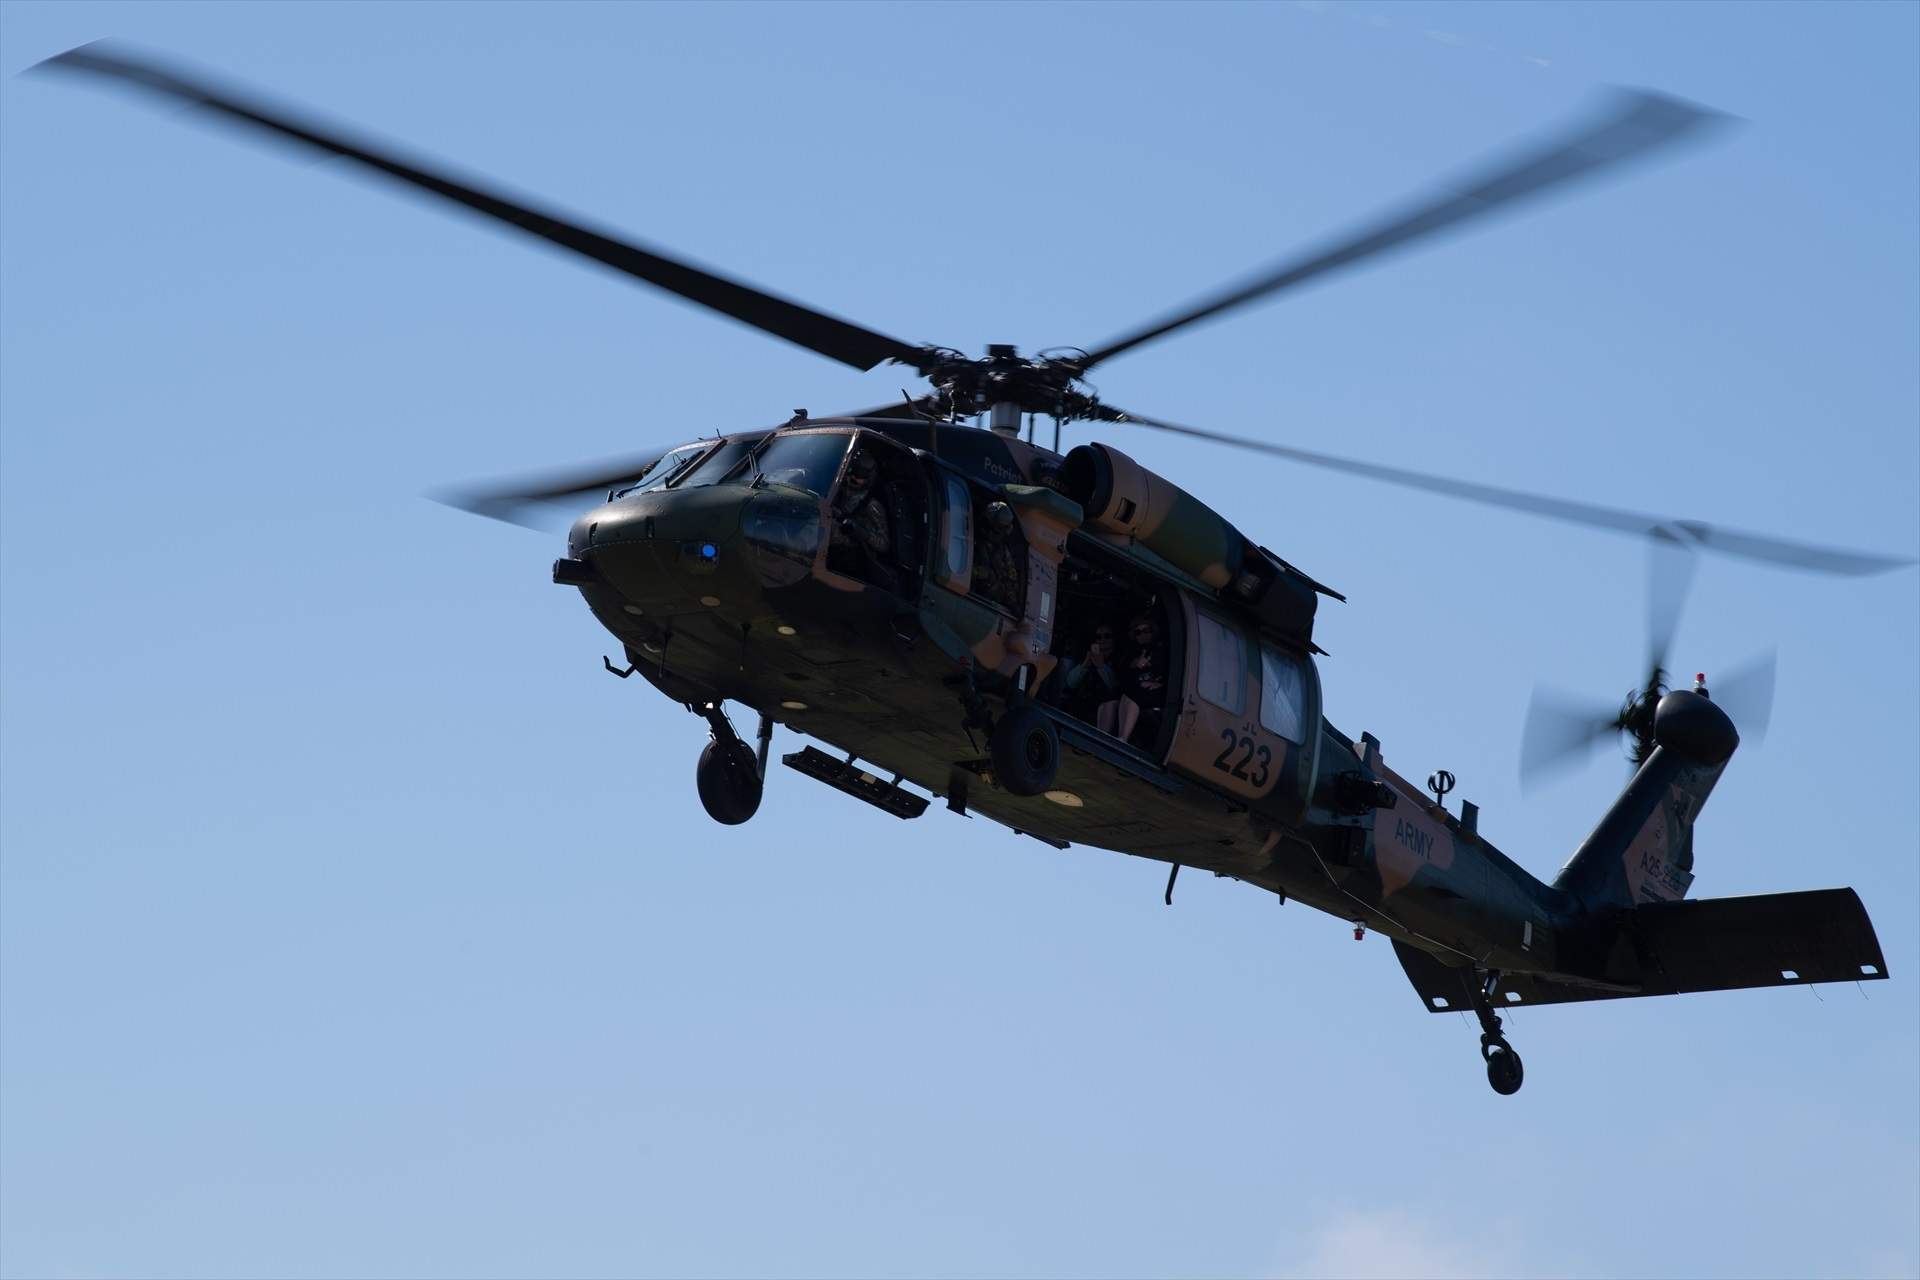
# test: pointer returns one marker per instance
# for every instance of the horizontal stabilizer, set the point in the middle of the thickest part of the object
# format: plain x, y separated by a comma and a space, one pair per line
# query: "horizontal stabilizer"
1713, 944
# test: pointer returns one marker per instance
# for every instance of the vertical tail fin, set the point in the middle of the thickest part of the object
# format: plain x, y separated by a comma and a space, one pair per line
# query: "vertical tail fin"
1642, 850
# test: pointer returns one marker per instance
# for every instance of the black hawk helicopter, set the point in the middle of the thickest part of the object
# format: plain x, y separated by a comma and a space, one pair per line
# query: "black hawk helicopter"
1081, 650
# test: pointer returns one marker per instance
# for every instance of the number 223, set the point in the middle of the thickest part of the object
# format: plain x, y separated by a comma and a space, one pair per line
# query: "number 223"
1225, 763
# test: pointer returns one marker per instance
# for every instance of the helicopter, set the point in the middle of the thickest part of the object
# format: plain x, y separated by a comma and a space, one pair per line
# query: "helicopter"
928, 591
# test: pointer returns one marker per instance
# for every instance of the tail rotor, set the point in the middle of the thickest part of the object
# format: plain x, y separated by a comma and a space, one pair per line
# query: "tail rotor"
1562, 729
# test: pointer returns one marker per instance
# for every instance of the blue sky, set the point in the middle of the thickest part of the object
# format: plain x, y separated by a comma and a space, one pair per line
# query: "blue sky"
353, 922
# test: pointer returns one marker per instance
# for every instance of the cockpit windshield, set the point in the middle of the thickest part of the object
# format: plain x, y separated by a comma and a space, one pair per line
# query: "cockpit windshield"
664, 468
809, 460
713, 468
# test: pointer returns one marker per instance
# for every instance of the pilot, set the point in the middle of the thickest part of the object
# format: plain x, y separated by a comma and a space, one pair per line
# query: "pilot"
1135, 714
862, 532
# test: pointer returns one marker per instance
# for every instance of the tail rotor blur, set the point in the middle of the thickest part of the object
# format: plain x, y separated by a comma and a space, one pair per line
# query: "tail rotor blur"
1746, 695
1562, 729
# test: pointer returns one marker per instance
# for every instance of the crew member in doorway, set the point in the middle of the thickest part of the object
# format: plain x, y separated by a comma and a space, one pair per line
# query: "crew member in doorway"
996, 563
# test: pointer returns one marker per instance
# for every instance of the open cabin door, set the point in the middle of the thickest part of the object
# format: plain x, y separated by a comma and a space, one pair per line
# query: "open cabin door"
992, 569
1247, 712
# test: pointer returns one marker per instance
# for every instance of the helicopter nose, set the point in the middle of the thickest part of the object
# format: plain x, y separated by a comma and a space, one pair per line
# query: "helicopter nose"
665, 550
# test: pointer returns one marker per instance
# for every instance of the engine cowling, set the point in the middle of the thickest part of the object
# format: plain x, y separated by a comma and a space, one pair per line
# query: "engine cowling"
1122, 497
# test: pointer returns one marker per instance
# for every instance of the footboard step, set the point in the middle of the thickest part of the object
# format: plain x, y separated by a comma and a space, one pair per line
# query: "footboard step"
843, 775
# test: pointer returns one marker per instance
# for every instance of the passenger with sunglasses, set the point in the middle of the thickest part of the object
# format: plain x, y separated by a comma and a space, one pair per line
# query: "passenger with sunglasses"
1135, 715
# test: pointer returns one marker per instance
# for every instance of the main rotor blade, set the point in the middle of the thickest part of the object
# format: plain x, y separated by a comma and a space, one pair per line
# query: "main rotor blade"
1561, 733
1731, 542
1636, 123
839, 339
520, 501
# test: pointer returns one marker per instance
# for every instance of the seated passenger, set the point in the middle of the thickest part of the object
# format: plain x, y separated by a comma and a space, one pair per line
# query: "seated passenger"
1092, 680
1135, 714
862, 535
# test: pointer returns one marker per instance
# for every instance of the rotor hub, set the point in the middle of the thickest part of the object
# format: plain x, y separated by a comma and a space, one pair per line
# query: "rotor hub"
1006, 383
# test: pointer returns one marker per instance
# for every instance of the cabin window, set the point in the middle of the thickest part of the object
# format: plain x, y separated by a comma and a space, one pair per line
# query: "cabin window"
1283, 694
1221, 674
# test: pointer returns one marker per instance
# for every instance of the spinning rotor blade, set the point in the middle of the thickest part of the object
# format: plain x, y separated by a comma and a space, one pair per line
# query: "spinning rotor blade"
1686, 532
1670, 567
839, 339
520, 502
1561, 733
1746, 695
1637, 123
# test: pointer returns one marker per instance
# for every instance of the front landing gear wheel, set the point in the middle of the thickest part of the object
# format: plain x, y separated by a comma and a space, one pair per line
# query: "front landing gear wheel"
729, 780
1505, 1071
1025, 750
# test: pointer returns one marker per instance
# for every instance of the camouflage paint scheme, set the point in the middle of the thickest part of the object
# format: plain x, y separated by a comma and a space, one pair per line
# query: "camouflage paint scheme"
765, 623
730, 592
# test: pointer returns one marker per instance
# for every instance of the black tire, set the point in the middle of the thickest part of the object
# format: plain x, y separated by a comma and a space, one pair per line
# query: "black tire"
729, 780
1025, 750
1505, 1072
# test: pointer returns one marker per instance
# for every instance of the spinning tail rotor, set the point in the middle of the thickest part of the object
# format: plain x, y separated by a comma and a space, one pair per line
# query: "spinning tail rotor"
1563, 729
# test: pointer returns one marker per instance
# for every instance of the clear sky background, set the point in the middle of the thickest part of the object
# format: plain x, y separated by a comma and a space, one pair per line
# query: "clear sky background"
355, 923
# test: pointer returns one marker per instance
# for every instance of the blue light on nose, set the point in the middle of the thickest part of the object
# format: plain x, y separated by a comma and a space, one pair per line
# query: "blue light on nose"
708, 551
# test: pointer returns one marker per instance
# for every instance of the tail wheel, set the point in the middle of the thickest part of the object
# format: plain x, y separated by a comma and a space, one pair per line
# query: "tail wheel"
729, 780
1025, 751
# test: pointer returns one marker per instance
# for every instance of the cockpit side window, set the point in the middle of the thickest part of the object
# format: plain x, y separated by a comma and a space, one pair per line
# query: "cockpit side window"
955, 568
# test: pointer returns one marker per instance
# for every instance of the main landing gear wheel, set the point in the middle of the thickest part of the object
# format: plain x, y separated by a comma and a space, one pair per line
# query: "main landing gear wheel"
1025, 750
729, 780
1505, 1071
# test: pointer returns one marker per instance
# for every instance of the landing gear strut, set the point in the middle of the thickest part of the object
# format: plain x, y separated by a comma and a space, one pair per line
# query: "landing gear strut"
1505, 1071
729, 773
